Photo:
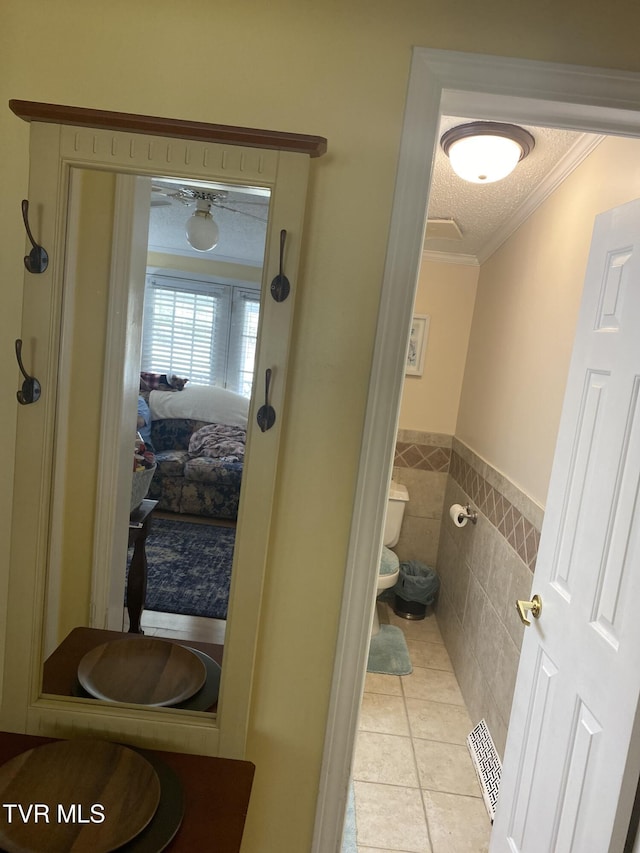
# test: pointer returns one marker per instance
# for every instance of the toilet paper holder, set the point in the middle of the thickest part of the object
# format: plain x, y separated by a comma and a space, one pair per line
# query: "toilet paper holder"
467, 512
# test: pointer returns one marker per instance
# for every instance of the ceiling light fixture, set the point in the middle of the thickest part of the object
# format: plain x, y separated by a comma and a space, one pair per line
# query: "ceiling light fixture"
202, 232
486, 151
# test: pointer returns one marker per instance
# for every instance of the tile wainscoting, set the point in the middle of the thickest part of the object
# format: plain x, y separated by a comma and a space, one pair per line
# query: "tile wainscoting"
483, 568
421, 463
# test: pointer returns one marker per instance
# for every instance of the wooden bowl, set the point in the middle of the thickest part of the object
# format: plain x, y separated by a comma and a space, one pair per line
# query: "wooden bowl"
85, 796
142, 671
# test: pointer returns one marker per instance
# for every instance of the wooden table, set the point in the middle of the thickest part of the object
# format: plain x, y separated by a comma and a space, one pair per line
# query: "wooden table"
139, 526
216, 795
60, 670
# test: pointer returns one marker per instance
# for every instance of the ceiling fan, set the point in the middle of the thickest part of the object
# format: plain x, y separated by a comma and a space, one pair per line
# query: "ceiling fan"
163, 195
202, 231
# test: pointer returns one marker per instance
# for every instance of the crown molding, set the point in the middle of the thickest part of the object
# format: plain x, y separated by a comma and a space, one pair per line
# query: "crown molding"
578, 152
450, 258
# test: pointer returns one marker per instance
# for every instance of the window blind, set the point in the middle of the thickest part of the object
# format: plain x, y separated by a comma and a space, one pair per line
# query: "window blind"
203, 331
242, 339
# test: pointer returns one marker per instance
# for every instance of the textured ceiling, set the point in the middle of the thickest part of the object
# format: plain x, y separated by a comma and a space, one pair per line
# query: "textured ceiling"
485, 215
485, 212
243, 227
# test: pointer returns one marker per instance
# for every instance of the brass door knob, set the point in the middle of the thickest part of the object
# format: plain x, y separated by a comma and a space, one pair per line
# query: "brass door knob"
534, 607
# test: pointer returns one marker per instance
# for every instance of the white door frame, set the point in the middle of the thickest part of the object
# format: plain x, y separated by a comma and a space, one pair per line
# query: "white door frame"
440, 82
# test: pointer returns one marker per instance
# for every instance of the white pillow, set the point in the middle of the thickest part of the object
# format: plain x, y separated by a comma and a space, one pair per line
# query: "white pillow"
202, 403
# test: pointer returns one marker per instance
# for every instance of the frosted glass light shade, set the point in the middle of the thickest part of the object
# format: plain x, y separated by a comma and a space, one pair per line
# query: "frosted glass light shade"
485, 152
484, 159
202, 232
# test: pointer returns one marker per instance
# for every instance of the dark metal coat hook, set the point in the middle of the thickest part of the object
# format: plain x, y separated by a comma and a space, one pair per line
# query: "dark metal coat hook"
37, 260
31, 389
280, 286
266, 416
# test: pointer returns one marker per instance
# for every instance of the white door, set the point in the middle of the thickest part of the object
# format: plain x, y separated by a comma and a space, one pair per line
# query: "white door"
577, 693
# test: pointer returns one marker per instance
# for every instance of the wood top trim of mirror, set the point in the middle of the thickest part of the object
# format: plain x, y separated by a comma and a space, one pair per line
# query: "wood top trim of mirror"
314, 146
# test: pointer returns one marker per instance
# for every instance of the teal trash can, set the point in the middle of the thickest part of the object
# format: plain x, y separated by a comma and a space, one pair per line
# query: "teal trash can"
415, 589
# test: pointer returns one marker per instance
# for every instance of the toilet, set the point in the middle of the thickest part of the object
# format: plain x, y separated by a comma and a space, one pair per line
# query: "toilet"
389, 564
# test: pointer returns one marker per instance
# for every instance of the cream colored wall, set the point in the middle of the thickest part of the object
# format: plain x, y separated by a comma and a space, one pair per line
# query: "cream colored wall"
526, 311
201, 266
331, 68
446, 292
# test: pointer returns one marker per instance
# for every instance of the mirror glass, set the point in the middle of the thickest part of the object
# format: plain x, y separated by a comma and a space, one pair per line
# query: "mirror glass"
187, 258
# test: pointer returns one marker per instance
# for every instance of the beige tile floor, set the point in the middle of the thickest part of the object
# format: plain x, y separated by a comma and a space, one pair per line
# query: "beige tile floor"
415, 787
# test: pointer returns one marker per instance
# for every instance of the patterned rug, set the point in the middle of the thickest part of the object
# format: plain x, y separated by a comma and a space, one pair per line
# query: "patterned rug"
189, 568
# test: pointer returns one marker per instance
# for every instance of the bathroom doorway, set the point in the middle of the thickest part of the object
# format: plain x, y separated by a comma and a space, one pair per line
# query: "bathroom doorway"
506, 103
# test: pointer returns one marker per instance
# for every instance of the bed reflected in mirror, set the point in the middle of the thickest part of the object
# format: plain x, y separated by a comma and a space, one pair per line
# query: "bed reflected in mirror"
156, 526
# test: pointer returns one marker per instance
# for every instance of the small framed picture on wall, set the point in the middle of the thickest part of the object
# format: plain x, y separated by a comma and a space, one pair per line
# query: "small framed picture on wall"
417, 344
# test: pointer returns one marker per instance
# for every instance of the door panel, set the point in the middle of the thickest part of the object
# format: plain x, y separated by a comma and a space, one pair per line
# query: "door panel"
567, 760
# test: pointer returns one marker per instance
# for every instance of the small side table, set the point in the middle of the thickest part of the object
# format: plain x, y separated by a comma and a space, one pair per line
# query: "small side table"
139, 527
216, 795
60, 670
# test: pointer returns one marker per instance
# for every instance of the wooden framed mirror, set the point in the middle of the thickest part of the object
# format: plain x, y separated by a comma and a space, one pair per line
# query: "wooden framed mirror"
91, 173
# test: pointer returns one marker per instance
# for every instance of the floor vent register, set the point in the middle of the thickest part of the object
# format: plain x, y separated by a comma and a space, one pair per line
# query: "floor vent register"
487, 764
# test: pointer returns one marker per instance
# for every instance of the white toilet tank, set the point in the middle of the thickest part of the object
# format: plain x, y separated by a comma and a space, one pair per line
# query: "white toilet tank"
398, 497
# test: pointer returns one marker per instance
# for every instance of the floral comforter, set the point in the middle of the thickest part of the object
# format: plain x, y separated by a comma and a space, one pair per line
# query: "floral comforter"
219, 441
